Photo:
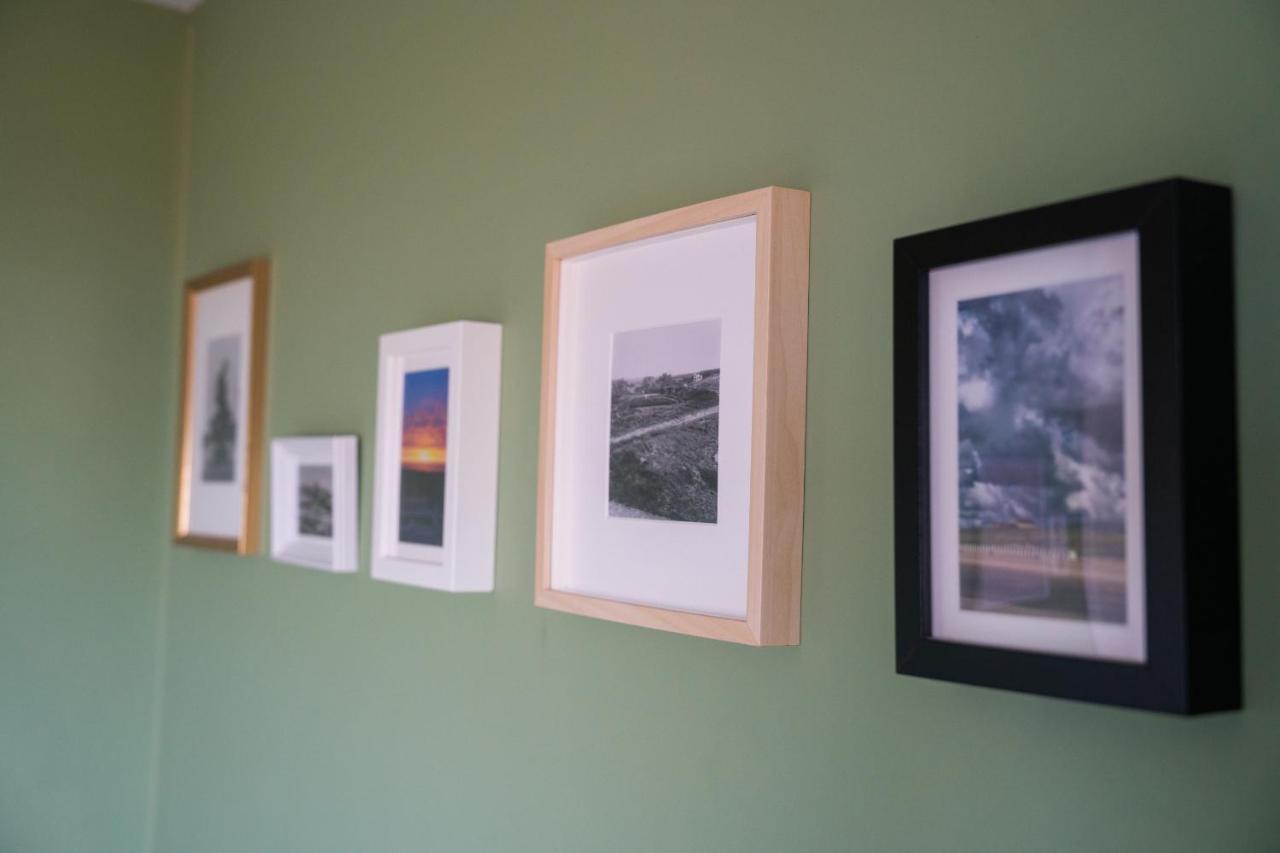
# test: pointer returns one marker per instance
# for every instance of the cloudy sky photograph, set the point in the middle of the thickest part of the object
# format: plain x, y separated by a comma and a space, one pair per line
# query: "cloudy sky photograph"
1041, 407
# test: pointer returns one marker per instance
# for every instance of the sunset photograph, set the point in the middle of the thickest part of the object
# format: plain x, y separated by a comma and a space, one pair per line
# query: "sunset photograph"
423, 447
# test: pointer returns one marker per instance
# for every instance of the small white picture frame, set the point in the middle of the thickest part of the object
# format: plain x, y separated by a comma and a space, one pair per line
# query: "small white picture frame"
436, 471
314, 489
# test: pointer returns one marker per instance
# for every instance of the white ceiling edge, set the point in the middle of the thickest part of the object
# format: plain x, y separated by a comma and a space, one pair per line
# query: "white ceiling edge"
178, 5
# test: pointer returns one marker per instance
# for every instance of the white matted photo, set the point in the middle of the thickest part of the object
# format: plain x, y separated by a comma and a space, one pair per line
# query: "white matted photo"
655, 510
1036, 451
220, 441
314, 500
435, 480
671, 462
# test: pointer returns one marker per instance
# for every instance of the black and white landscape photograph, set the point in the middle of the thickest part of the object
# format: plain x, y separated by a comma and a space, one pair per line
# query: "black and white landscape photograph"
222, 397
1041, 398
665, 423
315, 500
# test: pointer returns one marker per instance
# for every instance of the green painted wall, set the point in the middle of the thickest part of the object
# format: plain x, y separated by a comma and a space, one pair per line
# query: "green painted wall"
404, 163
89, 97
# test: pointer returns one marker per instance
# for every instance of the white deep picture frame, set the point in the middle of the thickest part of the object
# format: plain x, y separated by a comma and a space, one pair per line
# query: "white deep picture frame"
216, 509
948, 286
464, 561
336, 553
694, 275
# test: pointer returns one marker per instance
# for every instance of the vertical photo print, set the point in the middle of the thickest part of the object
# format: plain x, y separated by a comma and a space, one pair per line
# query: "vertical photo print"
315, 500
222, 402
423, 452
665, 422
1042, 491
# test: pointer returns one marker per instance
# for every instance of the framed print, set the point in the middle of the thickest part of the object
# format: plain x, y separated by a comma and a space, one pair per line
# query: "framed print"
671, 459
436, 480
314, 486
220, 421
1065, 459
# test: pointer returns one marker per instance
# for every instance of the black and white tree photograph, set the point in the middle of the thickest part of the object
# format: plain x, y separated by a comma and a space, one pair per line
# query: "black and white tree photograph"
222, 400
1041, 399
315, 500
665, 423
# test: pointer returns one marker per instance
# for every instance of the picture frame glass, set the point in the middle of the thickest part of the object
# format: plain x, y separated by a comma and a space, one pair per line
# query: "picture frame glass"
219, 402
1037, 521
416, 481
423, 457
315, 501
654, 413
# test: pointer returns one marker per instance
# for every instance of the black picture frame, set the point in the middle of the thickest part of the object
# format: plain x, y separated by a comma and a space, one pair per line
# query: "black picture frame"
1189, 459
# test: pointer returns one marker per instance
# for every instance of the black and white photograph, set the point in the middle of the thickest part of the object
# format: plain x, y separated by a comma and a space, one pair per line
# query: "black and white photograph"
670, 489
664, 423
315, 500
1042, 492
221, 403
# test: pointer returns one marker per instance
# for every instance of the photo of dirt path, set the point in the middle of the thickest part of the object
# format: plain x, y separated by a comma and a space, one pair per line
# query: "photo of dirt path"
665, 426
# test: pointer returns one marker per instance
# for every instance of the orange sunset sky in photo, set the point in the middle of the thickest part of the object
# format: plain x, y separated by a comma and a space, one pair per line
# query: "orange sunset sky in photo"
426, 414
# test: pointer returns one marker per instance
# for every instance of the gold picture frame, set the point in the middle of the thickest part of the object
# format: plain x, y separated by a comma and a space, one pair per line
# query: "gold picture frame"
774, 369
220, 510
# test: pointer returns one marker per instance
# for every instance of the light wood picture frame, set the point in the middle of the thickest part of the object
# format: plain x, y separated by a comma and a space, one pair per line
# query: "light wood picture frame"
218, 494
711, 551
